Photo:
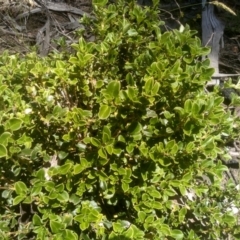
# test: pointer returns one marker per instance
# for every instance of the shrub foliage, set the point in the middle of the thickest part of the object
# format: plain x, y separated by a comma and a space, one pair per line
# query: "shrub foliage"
116, 140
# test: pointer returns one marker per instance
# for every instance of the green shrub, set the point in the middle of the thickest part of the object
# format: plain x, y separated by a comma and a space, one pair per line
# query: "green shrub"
117, 140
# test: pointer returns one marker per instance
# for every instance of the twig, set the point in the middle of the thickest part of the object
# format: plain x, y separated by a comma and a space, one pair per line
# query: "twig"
16, 33
28, 13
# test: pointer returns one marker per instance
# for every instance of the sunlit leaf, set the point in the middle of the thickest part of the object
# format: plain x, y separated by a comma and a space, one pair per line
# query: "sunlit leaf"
104, 112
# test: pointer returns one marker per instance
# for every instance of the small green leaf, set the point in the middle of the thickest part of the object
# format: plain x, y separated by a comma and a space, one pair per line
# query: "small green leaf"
81, 147
125, 186
13, 150
85, 163
69, 235
141, 216
131, 93
95, 142
107, 131
149, 219
53, 195
132, 32
3, 151
78, 168
153, 192
207, 74
188, 106
6, 193
117, 227
156, 205
179, 110
37, 220
84, 225
187, 177
36, 190
205, 51
4, 138
195, 109
170, 144
55, 226
109, 149
102, 175
28, 200
18, 199
49, 186
155, 89
135, 128
130, 148
63, 196
165, 229
59, 187
229, 219
74, 199
20, 188
130, 233
121, 139
177, 234
105, 138
167, 114
174, 149
64, 169
13, 124
189, 127
58, 111
113, 89
170, 192
149, 85
218, 101
99, 84
40, 174
182, 214
67, 219
60, 64
3, 88
104, 112
99, 3
102, 153
62, 155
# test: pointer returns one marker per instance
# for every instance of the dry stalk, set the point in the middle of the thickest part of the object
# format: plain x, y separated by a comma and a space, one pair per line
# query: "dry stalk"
223, 6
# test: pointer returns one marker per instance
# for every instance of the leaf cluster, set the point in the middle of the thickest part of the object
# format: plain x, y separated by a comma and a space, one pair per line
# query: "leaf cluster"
117, 140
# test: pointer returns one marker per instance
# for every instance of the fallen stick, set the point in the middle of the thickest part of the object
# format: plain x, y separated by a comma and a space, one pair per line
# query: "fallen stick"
56, 7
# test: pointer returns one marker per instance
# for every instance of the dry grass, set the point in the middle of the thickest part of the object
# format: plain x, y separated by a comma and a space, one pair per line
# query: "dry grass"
224, 7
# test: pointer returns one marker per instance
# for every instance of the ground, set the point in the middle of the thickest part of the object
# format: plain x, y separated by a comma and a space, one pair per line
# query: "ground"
18, 34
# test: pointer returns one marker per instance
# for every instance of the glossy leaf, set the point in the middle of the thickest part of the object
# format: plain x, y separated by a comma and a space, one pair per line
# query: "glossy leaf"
104, 112
113, 88
4, 138
100, 2
63, 196
37, 220
177, 234
3, 151
14, 124
18, 199
55, 226
20, 188
64, 169
69, 235
188, 106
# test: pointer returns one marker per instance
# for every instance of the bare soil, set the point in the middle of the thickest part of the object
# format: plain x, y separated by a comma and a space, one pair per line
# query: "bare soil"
18, 34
